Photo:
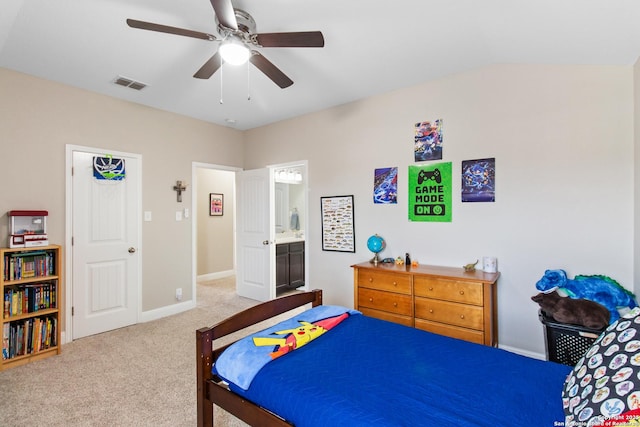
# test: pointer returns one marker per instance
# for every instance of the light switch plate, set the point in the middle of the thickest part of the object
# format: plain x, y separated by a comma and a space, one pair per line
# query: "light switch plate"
179, 216
147, 215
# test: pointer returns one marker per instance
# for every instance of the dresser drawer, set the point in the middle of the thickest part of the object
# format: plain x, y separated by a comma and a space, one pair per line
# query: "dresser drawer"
385, 301
451, 331
449, 289
385, 315
384, 281
467, 316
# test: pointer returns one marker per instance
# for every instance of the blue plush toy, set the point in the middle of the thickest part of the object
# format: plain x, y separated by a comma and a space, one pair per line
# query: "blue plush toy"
601, 289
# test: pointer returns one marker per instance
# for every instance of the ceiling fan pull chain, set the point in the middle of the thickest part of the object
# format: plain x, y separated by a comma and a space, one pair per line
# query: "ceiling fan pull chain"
221, 73
248, 82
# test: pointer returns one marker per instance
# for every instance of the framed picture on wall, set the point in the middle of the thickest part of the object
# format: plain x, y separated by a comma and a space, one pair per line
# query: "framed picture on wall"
338, 228
216, 204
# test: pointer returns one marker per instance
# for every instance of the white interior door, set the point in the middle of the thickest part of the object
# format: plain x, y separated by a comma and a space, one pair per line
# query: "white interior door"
106, 261
255, 248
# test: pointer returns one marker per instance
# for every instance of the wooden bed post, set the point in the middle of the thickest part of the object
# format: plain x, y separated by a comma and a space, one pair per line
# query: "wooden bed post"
317, 293
204, 338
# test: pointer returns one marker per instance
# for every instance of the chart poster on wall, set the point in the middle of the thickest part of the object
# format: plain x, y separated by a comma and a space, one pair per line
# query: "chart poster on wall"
108, 168
427, 142
430, 192
338, 228
479, 180
385, 186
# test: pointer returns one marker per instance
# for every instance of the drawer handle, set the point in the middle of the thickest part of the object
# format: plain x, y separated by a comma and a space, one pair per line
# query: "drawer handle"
461, 292
395, 283
370, 299
462, 316
395, 304
430, 288
431, 310
370, 279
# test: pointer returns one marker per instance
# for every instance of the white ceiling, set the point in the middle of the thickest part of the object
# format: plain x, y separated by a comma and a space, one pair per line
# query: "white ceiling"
371, 47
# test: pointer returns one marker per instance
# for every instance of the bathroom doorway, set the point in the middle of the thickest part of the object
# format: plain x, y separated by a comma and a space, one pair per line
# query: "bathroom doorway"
290, 214
293, 187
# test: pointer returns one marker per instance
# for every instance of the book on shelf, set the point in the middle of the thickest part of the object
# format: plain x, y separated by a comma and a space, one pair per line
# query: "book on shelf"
29, 298
26, 265
5, 341
14, 303
29, 336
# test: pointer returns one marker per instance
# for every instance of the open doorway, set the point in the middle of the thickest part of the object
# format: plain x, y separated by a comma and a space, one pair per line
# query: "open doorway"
213, 240
290, 212
215, 237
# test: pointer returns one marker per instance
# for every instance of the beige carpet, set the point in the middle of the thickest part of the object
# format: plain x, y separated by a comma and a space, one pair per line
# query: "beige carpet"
142, 375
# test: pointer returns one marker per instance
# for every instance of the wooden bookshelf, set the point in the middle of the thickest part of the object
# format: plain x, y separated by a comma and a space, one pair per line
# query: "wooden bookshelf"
31, 284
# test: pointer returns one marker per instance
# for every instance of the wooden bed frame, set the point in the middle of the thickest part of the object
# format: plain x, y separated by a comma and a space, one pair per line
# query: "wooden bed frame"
211, 389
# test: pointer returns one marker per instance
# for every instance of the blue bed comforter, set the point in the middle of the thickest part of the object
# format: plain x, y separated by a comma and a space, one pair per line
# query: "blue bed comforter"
368, 372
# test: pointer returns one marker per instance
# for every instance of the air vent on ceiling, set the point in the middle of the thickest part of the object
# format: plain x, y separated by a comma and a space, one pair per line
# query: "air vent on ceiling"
132, 84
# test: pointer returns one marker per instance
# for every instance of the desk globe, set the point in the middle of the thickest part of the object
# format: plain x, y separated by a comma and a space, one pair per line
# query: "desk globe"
375, 244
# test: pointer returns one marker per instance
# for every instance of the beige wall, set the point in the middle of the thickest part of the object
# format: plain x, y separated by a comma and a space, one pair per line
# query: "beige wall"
214, 237
38, 118
563, 140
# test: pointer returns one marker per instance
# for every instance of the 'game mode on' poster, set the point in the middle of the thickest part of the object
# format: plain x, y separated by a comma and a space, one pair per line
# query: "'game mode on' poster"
430, 192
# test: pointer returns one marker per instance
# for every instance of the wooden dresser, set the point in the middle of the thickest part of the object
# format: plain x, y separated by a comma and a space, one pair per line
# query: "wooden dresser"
443, 300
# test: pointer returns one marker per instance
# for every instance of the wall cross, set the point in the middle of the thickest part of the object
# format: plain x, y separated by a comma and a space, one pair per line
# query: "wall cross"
179, 188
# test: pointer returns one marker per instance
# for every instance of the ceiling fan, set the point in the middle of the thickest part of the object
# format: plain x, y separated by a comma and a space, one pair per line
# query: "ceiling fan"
236, 30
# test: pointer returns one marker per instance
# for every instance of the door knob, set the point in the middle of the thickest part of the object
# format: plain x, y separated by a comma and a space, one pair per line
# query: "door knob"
265, 242
132, 250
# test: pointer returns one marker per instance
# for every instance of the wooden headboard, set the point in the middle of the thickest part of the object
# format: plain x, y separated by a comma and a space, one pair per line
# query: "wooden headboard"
210, 389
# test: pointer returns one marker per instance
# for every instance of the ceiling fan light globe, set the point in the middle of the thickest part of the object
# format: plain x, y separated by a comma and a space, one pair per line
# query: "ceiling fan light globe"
234, 53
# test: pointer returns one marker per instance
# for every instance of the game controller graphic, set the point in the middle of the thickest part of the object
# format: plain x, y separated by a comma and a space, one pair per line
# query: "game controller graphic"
434, 175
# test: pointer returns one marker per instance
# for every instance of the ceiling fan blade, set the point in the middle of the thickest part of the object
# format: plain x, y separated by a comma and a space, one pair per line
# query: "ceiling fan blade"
225, 13
270, 70
133, 23
209, 67
299, 39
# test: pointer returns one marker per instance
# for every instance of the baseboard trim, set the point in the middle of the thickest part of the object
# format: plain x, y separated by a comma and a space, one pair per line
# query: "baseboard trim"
214, 276
522, 352
159, 313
